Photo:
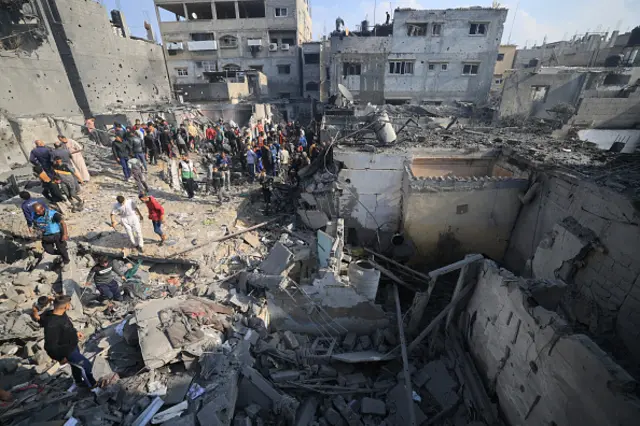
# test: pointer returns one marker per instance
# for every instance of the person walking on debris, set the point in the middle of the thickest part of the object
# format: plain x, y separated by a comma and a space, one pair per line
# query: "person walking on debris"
75, 149
61, 342
188, 173
152, 144
50, 189
54, 232
224, 165
156, 215
137, 171
41, 156
122, 152
27, 206
106, 277
182, 144
130, 217
137, 148
60, 151
252, 159
69, 186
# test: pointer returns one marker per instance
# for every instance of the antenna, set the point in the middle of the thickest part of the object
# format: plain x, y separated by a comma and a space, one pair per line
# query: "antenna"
513, 21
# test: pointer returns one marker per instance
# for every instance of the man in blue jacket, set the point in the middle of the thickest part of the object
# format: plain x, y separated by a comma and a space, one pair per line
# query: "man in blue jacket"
54, 231
42, 156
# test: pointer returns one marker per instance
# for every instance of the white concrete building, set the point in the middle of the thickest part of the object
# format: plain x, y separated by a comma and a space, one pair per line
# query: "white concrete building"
315, 68
425, 56
202, 37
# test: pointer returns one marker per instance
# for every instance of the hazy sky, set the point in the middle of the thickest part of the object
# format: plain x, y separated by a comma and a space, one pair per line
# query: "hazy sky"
557, 19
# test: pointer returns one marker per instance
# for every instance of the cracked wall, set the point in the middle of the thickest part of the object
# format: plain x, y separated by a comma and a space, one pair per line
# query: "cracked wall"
542, 373
605, 280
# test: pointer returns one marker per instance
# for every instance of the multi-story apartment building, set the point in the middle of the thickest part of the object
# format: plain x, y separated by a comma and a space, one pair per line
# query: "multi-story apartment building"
425, 56
203, 38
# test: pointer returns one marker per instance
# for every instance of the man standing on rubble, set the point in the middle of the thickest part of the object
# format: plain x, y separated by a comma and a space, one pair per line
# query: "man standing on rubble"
252, 159
156, 215
137, 147
54, 232
130, 217
75, 149
152, 142
61, 342
122, 152
188, 173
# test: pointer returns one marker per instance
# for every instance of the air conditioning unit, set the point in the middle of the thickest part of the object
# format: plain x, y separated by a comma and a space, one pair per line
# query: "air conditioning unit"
284, 46
254, 42
273, 47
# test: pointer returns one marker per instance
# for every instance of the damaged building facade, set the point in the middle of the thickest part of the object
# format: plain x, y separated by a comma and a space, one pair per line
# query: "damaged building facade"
426, 56
52, 67
202, 38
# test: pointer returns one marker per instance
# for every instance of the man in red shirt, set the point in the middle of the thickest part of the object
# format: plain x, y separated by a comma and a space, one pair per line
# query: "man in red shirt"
156, 215
210, 134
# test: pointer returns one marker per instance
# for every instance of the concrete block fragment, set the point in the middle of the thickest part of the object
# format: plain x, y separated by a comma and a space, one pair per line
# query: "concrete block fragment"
277, 261
252, 410
333, 417
290, 340
352, 418
440, 384
284, 376
326, 371
349, 341
306, 412
365, 342
241, 420
356, 379
399, 406
314, 219
373, 406
547, 293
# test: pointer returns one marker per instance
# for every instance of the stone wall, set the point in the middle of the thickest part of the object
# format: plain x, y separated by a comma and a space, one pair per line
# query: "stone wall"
461, 215
104, 68
609, 113
604, 275
542, 373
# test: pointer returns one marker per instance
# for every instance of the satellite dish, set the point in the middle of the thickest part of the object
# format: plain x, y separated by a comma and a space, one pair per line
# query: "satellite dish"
194, 15
345, 92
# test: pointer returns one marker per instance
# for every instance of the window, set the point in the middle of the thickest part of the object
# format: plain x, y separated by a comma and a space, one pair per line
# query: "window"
251, 9
273, 40
312, 86
231, 67
478, 28
400, 67
432, 67
202, 36
416, 30
281, 12
284, 69
182, 72
225, 10
539, 93
436, 29
172, 52
470, 69
228, 42
444, 66
289, 41
349, 68
311, 58
498, 81
199, 11
616, 79
500, 56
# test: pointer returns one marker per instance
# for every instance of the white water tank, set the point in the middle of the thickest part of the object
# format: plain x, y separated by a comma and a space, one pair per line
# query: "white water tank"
364, 278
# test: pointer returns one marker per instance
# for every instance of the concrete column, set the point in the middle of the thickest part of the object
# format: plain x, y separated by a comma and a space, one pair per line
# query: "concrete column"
186, 15
213, 10
237, 10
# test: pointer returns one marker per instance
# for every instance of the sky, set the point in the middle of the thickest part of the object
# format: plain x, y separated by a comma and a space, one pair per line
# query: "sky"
534, 19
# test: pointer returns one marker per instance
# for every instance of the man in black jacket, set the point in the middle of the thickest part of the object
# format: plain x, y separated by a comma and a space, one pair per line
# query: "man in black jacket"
61, 341
152, 144
122, 151
138, 148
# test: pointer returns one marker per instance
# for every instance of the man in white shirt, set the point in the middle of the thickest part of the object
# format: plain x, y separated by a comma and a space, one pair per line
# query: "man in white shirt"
130, 217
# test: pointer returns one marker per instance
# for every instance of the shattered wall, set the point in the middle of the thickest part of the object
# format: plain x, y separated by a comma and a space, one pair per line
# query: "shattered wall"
520, 96
370, 53
541, 372
372, 198
33, 79
604, 278
463, 215
609, 113
222, 91
104, 68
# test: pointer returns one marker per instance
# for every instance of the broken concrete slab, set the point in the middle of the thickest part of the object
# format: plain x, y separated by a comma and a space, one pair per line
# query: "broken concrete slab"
306, 412
440, 384
314, 219
290, 340
548, 293
399, 407
279, 402
284, 376
155, 347
177, 387
277, 261
352, 418
373, 406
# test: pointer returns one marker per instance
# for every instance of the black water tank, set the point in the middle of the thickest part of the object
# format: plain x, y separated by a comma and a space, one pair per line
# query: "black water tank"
116, 18
533, 63
613, 61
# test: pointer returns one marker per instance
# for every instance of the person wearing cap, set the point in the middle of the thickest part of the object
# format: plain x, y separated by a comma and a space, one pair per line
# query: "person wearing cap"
76, 149
156, 215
